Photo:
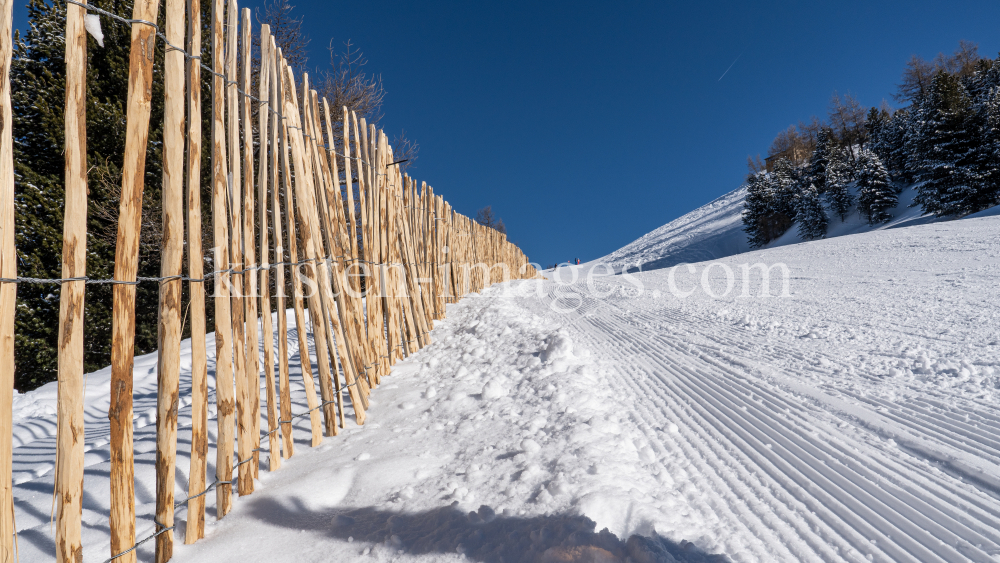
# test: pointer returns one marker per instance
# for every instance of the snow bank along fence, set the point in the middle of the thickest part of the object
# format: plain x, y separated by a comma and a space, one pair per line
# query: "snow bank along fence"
406, 246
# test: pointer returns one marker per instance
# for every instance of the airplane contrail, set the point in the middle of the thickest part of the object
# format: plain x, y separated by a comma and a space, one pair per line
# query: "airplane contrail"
731, 66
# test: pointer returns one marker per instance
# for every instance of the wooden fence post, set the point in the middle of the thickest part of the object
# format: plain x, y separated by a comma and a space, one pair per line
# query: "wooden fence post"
8, 291
244, 425
297, 297
126, 266
373, 255
69, 437
326, 361
330, 388
249, 259
224, 393
310, 240
363, 350
263, 111
171, 263
195, 529
279, 255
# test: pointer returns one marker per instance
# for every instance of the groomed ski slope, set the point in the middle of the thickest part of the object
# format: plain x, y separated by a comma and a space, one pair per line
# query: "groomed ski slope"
715, 230
853, 420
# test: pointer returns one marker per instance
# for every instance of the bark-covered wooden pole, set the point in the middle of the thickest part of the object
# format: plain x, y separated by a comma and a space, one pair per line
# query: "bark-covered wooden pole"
171, 262
225, 399
138, 108
8, 291
69, 433
195, 529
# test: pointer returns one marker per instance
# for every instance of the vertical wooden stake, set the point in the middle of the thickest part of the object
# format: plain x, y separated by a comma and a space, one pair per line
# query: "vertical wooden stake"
171, 263
297, 297
263, 111
69, 437
126, 266
195, 529
279, 257
373, 253
249, 258
224, 393
311, 240
244, 424
8, 291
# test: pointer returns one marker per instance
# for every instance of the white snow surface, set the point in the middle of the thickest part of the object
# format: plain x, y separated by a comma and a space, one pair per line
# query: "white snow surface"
855, 419
715, 230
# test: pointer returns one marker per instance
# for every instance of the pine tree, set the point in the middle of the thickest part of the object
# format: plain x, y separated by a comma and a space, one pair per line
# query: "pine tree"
982, 162
756, 208
770, 205
876, 195
785, 182
815, 172
876, 123
838, 186
941, 147
38, 98
892, 145
811, 216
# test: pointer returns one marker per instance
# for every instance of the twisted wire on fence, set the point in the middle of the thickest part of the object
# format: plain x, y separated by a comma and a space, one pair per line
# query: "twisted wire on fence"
413, 328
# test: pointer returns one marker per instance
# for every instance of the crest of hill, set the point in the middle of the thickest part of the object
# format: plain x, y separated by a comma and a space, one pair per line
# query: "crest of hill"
715, 230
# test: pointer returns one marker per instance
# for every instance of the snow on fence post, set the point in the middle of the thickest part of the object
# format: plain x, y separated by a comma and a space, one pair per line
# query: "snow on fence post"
8, 290
69, 436
195, 528
171, 263
224, 391
249, 255
138, 107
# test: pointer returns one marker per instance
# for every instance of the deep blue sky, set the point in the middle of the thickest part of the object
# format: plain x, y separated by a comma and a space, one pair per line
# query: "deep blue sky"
587, 124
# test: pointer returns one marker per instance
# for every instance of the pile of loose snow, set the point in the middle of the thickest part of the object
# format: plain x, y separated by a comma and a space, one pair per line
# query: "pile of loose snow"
502, 439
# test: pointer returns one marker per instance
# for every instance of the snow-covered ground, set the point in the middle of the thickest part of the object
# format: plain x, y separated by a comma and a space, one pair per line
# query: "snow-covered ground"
715, 230
854, 419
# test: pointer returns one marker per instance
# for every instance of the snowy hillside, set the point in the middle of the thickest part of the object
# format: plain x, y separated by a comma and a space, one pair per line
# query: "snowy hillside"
853, 420
715, 230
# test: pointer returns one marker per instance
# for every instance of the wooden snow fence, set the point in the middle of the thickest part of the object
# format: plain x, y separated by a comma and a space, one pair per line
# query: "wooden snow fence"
373, 259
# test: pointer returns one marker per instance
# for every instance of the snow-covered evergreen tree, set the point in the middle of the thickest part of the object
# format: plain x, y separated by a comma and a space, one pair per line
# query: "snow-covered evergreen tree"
981, 164
876, 195
811, 216
892, 144
876, 123
756, 208
769, 209
940, 146
815, 172
785, 181
838, 186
